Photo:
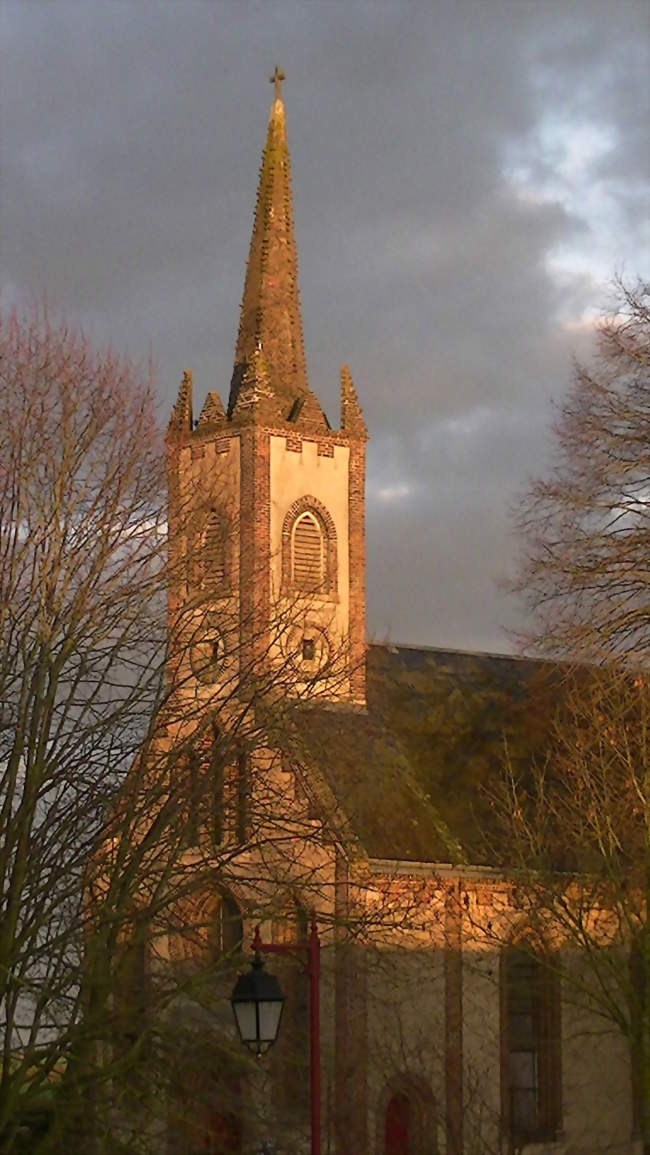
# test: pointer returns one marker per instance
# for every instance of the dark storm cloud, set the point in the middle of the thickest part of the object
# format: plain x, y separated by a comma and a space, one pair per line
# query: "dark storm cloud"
463, 173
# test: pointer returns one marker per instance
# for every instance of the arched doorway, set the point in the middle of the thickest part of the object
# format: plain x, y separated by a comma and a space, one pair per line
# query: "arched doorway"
208, 1132
224, 1135
398, 1125
407, 1122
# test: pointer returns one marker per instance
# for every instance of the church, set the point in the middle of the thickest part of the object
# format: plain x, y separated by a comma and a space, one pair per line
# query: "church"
365, 800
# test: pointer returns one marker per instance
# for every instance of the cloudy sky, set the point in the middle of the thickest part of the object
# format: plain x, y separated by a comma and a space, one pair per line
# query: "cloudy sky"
468, 174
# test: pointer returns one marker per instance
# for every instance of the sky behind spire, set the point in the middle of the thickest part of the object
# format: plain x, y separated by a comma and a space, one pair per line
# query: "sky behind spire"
466, 176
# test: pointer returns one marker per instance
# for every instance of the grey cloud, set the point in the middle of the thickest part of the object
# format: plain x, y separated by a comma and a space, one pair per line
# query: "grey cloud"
130, 139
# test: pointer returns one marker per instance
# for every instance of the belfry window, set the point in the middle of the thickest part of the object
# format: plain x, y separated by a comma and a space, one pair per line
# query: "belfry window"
309, 562
531, 1048
307, 554
213, 553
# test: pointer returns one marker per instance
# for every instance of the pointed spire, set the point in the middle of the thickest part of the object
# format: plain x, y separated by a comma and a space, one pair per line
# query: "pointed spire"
181, 418
255, 398
270, 329
352, 421
213, 410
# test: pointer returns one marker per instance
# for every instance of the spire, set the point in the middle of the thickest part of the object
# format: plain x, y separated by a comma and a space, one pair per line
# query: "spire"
352, 421
181, 418
212, 411
270, 372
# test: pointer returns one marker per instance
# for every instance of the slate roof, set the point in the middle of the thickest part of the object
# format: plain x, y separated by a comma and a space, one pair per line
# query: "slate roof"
414, 774
366, 772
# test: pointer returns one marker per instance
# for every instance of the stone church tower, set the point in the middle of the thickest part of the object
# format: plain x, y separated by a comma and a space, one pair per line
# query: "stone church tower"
266, 499
373, 813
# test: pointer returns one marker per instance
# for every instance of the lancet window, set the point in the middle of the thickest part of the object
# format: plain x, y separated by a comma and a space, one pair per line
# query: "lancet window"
226, 931
531, 1048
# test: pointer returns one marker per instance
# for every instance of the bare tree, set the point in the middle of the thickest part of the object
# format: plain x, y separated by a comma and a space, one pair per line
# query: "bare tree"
82, 514
585, 572
576, 824
574, 839
137, 790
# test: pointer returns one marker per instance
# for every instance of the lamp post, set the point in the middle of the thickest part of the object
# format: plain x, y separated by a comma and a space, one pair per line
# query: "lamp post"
257, 1002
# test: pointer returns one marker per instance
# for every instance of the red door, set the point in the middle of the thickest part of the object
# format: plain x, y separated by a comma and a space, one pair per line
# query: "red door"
397, 1126
224, 1136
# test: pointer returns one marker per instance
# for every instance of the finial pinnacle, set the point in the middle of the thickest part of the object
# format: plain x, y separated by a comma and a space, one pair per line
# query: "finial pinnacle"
276, 81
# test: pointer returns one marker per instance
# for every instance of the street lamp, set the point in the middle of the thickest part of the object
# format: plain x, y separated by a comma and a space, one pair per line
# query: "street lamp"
257, 1001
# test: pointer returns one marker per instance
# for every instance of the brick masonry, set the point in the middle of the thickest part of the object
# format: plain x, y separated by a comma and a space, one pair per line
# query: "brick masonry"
254, 574
357, 553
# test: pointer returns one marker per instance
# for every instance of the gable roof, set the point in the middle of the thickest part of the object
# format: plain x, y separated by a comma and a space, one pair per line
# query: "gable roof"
367, 776
413, 773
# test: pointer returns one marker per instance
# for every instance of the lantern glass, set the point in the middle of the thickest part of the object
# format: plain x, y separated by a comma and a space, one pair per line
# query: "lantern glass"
257, 1001
246, 1019
269, 1016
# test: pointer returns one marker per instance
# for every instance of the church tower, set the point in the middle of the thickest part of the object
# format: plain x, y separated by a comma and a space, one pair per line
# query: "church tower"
267, 501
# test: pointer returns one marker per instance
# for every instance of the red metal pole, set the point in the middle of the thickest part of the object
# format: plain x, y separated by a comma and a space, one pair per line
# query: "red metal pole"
312, 946
313, 969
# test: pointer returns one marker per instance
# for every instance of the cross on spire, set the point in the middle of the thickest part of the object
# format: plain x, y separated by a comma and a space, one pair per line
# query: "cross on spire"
276, 81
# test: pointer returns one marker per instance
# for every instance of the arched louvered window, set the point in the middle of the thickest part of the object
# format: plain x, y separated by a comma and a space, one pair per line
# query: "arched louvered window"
307, 554
309, 562
213, 553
